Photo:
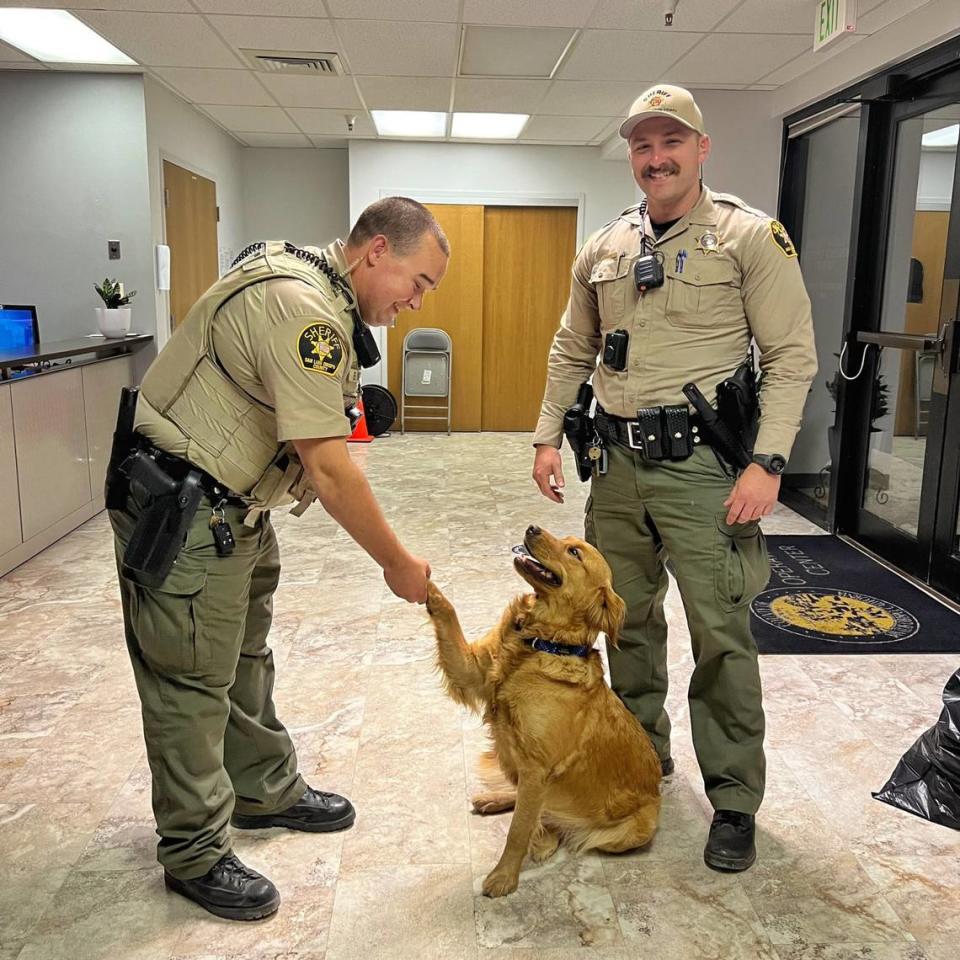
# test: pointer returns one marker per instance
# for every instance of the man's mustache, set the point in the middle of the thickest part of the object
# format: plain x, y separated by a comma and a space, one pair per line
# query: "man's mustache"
667, 168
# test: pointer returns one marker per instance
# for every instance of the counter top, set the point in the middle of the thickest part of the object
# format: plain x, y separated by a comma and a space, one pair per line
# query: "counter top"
58, 349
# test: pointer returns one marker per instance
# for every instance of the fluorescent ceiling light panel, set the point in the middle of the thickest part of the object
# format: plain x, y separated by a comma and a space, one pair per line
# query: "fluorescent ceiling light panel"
55, 36
944, 137
409, 123
488, 126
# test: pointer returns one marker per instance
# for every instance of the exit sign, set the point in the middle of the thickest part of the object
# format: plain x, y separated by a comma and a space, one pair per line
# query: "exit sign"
834, 19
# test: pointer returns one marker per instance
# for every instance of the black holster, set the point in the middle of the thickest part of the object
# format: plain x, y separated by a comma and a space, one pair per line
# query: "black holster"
170, 507
579, 430
738, 404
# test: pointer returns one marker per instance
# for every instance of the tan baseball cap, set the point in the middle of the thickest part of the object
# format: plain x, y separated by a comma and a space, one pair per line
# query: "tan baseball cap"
663, 100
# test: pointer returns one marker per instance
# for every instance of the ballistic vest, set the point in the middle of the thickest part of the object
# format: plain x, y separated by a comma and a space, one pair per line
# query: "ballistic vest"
191, 407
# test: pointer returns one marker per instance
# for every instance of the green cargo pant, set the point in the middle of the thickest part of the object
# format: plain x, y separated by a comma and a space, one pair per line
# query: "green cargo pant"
205, 677
641, 515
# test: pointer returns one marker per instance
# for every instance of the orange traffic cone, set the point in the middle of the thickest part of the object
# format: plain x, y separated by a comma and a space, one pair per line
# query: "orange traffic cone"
360, 433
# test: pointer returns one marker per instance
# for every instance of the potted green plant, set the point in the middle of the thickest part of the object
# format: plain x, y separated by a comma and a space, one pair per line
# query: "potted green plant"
113, 319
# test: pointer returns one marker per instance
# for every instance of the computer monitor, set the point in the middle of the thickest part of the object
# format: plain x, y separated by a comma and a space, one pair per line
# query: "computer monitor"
18, 327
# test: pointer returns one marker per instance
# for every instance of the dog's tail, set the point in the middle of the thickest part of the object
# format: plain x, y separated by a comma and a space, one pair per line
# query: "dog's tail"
634, 831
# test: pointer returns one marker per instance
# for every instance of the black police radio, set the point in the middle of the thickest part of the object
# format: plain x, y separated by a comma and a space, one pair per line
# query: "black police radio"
648, 272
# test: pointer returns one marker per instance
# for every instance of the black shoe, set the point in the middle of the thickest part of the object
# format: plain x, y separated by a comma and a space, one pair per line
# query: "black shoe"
666, 767
229, 889
730, 843
315, 812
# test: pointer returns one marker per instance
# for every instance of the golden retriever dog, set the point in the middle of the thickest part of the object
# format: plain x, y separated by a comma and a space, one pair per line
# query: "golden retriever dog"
570, 759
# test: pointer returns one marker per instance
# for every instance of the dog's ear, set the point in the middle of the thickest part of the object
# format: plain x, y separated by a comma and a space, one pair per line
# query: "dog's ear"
609, 611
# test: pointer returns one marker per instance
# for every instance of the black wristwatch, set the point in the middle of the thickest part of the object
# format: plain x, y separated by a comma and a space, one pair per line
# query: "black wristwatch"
773, 463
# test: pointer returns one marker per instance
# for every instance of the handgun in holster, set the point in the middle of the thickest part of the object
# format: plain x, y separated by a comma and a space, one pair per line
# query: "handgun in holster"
579, 431
715, 430
738, 403
162, 525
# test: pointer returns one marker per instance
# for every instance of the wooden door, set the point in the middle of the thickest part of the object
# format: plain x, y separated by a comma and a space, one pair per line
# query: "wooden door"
190, 203
527, 256
457, 308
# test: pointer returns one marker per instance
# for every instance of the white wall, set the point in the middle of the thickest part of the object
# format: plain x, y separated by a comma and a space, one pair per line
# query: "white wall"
73, 161
936, 179
478, 173
177, 132
298, 195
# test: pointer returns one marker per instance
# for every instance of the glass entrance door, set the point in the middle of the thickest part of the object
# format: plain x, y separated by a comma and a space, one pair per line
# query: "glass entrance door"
908, 498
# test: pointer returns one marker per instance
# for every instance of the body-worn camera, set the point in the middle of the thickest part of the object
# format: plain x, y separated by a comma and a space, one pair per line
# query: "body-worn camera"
648, 272
615, 350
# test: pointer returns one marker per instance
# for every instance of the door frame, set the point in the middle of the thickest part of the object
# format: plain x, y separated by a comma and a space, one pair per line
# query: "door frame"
482, 198
925, 82
164, 330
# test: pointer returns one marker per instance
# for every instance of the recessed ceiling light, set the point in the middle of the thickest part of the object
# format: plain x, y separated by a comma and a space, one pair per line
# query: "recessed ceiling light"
55, 36
488, 126
409, 123
944, 137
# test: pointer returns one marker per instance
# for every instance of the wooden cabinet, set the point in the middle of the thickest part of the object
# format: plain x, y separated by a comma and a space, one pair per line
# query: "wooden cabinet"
10, 533
56, 431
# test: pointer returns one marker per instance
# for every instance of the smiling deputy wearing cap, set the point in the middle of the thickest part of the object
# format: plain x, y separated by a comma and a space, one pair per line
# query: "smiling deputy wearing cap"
670, 293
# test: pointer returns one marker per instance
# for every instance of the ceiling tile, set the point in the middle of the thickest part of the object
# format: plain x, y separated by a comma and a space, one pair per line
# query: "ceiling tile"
329, 122
696, 15
294, 91
512, 51
580, 129
406, 93
387, 47
162, 39
278, 8
585, 98
883, 14
20, 64
809, 60
251, 119
499, 96
624, 55
771, 16
151, 6
737, 58
534, 13
274, 139
438, 10
330, 143
216, 86
277, 33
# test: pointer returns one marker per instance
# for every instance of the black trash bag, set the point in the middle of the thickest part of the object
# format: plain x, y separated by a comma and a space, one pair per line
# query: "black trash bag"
926, 781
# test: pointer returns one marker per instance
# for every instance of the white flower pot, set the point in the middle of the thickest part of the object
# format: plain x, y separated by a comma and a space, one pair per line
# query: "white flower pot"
113, 323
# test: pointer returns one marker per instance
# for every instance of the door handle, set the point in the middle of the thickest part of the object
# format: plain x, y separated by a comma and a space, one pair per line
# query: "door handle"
921, 342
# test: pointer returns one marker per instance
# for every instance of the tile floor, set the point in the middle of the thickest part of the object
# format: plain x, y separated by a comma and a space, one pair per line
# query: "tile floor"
839, 875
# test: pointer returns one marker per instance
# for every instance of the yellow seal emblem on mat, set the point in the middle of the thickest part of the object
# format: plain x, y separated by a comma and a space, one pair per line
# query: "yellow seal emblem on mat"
837, 616
320, 349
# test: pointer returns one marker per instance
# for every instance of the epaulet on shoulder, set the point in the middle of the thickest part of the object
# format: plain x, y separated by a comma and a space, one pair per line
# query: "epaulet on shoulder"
629, 214
733, 201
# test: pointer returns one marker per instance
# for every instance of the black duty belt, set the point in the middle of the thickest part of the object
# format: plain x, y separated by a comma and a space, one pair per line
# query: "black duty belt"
659, 433
177, 468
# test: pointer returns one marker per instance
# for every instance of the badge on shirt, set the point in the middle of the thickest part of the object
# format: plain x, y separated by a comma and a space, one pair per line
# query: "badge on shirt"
708, 243
320, 349
782, 239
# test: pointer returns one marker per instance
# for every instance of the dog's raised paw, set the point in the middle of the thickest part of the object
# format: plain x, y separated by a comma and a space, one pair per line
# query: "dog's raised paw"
499, 884
437, 603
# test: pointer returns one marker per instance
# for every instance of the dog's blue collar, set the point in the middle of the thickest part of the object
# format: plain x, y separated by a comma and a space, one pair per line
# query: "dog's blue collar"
548, 646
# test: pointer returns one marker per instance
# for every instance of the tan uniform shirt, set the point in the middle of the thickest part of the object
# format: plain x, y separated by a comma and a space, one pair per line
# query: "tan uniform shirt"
290, 347
729, 272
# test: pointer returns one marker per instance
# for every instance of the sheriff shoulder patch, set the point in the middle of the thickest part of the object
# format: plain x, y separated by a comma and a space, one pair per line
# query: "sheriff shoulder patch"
782, 239
320, 349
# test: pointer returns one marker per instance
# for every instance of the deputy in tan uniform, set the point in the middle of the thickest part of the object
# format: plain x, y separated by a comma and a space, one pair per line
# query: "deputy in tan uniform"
250, 394
729, 273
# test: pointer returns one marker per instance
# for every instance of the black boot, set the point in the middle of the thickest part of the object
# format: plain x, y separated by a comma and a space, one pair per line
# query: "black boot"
730, 843
229, 889
315, 811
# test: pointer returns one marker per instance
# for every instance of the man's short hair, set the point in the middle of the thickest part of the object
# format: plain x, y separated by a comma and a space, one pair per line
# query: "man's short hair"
402, 221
